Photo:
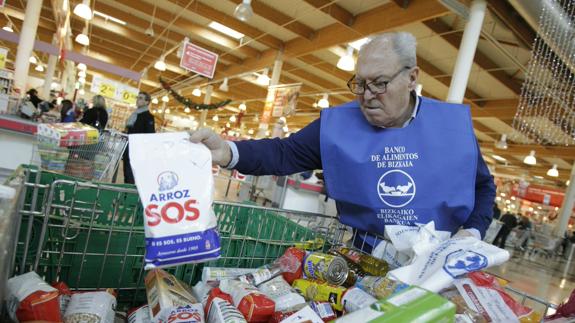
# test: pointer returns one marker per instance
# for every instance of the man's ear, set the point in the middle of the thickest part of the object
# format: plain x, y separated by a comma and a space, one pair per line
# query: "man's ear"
413, 77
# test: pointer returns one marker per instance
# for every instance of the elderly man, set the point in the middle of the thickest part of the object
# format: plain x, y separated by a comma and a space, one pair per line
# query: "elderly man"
389, 158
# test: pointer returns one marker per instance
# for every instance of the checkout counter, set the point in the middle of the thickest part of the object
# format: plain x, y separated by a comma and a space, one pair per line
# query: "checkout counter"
17, 141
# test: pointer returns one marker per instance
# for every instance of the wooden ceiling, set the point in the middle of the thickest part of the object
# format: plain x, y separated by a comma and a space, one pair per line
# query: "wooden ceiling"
310, 36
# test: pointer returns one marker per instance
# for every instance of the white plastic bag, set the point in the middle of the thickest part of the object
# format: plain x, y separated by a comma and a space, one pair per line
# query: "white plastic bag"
175, 183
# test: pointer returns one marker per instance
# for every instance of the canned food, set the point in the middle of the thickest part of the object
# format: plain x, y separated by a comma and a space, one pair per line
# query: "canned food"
318, 291
327, 268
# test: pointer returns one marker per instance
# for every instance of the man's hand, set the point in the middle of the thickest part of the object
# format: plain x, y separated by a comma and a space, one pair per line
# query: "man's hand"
221, 152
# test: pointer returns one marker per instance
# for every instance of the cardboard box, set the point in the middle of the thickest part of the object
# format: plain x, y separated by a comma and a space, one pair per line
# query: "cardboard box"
67, 134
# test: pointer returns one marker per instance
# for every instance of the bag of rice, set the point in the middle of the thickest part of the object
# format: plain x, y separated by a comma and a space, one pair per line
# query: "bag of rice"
175, 183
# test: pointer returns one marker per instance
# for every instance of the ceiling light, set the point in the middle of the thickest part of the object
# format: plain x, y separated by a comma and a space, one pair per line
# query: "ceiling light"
83, 38
33, 60
264, 79
225, 30
39, 68
168, 110
267, 133
530, 159
108, 17
358, 43
160, 64
165, 98
155, 101
216, 118
197, 92
553, 172
224, 87
282, 120
81, 92
499, 158
228, 125
418, 89
243, 106
502, 143
82, 67
8, 27
346, 62
251, 131
82, 80
150, 31
314, 105
244, 11
233, 119
285, 128
82, 74
83, 10
187, 110
568, 182
323, 102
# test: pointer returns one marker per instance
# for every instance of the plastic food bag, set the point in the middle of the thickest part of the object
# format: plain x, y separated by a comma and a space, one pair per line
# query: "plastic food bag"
565, 310
175, 183
254, 305
439, 267
166, 293
281, 293
219, 308
91, 307
30, 298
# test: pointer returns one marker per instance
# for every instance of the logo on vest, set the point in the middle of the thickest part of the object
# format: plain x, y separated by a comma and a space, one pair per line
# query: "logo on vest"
461, 262
396, 188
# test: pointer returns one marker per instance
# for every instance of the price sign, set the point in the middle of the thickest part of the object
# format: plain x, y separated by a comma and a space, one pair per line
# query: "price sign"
129, 96
107, 90
3, 56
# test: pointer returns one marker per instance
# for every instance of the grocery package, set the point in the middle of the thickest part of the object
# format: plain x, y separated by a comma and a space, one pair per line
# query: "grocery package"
165, 293
355, 299
413, 304
306, 314
325, 267
565, 310
439, 267
254, 305
278, 290
483, 293
65, 294
190, 313
91, 307
323, 310
219, 308
298, 273
175, 185
30, 298
318, 291
221, 273
380, 287
67, 134
463, 313
139, 315
288, 262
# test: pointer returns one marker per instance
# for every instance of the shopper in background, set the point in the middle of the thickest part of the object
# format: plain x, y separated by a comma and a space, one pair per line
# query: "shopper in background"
496, 211
97, 116
375, 151
52, 115
140, 121
33, 96
67, 111
509, 222
524, 233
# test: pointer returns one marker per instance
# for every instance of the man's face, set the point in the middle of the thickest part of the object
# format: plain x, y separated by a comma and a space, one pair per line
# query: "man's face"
388, 109
141, 101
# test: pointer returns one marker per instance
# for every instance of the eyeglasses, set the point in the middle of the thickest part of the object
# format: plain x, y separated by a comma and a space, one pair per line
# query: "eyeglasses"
375, 87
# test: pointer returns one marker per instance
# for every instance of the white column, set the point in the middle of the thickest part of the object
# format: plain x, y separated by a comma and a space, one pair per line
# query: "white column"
567, 207
466, 52
50, 70
26, 44
207, 100
274, 80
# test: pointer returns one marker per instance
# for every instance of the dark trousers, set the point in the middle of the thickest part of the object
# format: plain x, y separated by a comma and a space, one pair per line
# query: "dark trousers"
128, 175
501, 237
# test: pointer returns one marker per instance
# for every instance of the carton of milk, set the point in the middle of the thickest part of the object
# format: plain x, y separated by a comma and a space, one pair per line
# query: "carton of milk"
175, 184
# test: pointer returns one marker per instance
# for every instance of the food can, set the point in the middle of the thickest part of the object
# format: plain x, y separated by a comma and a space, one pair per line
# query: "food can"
318, 291
324, 267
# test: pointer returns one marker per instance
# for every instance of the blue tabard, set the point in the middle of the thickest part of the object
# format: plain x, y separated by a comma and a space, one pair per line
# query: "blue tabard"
425, 171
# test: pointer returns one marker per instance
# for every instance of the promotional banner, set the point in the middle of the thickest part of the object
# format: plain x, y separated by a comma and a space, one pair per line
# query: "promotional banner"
3, 56
198, 60
280, 101
114, 90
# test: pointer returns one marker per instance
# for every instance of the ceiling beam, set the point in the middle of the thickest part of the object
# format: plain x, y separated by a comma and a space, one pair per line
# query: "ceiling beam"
332, 9
513, 20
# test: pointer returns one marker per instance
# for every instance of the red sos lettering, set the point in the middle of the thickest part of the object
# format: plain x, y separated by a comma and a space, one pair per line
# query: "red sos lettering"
172, 212
185, 317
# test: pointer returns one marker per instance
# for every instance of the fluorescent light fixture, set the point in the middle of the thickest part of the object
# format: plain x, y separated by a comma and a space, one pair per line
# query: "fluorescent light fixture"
33, 60
225, 30
224, 87
82, 66
108, 17
82, 74
502, 143
346, 62
83, 38
553, 172
323, 102
39, 68
187, 110
165, 98
197, 92
244, 11
499, 158
538, 177
83, 10
530, 159
155, 101
8, 27
160, 64
263, 79
216, 118
358, 43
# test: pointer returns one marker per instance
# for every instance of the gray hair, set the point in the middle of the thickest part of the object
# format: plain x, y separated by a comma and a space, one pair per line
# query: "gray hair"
99, 101
402, 43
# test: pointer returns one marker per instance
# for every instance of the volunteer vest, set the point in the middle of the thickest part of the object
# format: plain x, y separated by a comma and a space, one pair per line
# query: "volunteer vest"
406, 176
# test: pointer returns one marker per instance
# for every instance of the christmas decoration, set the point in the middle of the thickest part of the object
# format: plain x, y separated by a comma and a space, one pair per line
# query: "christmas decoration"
189, 103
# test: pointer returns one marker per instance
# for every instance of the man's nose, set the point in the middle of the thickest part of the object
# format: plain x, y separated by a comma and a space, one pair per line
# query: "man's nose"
367, 95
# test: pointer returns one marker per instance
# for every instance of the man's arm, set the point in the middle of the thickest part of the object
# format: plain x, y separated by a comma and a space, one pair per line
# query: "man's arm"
299, 152
482, 214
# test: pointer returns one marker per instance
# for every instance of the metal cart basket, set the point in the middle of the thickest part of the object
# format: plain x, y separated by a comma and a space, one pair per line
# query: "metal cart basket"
90, 235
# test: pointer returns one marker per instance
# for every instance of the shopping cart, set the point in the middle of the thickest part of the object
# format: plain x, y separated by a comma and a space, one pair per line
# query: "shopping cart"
90, 235
543, 244
96, 159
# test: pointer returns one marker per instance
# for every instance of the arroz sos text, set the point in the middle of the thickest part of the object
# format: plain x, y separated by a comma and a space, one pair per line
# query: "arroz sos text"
172, 212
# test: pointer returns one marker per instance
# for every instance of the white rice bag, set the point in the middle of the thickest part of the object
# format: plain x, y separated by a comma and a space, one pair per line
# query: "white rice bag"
175, 183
